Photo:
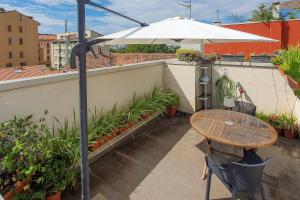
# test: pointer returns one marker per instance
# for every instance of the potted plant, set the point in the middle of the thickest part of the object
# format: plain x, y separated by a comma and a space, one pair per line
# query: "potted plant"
225, 87
289, 123
190, 56
291, 66
275, 120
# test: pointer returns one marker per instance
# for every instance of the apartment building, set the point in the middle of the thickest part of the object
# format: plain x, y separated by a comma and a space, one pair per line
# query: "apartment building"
61, 48
18, 39
45, 48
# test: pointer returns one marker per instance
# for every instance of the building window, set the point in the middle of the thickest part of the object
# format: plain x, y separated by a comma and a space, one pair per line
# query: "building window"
20, 17
21, 41
23, 63
10, 54
48, 45
21, 54
9, 28
20, 29
48, 58
48, 51
8, 64
9, 41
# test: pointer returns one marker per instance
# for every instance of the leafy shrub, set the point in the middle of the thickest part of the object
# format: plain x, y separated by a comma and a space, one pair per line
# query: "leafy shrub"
291, 62
225, 87
277, 60
150, 48
188, 55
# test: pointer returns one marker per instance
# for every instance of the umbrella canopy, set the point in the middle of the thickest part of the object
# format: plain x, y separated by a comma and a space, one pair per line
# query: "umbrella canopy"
181, 30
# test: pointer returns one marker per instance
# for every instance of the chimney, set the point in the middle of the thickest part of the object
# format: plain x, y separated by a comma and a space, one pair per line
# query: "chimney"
276, 10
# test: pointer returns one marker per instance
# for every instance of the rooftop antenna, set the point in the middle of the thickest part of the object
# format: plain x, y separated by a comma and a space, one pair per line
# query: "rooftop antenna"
187, 4
218, 18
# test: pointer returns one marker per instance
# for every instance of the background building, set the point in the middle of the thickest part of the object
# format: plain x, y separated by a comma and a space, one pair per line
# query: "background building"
61, 48
45, 48
18, 39
286, 32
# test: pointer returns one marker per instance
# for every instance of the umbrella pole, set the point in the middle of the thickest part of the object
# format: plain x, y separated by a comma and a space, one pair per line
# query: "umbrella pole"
85, 191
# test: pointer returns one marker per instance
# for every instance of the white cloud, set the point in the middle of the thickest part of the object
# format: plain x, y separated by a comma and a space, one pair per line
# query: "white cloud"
155, 10
47, 22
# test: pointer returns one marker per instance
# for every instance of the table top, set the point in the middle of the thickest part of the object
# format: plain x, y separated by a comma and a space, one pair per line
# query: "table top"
246, 132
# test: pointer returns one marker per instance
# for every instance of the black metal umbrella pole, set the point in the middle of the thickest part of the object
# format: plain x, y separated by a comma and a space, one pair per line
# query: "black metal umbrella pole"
80, 51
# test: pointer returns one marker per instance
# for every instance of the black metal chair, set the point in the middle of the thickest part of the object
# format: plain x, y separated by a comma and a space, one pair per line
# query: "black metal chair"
243, 178
245, 107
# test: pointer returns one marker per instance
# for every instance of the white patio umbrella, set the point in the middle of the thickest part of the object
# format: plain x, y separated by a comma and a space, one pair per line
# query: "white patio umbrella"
181, 30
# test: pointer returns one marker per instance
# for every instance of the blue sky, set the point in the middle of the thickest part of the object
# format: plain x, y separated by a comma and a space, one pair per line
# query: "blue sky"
52, 13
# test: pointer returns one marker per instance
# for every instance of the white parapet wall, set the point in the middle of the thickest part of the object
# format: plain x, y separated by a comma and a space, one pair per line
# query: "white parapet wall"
266, 87
59, 94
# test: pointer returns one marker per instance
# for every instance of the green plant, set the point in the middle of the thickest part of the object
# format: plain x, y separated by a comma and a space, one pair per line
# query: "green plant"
262, 116
103, 123
297, 92
288, 121
225, 87
278, 60
188, 55
291, 62
149, 48
263, 14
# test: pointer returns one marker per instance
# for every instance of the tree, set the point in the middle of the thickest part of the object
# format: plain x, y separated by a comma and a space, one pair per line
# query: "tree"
263, 14
149, 48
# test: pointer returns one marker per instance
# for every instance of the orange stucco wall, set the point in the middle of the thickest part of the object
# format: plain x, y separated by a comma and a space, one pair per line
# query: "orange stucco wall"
287, 33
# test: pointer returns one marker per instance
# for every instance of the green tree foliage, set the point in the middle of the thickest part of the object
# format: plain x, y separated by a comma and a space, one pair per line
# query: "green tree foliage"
150, 48
264, 13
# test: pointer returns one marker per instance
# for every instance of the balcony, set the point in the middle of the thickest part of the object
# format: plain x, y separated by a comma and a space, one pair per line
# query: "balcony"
163, 158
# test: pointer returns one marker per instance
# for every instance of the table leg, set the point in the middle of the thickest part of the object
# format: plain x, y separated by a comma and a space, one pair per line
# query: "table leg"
205, 168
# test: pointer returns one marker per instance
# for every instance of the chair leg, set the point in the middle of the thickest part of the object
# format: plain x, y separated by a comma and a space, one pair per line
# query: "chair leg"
233, 196
262, 192
208, 184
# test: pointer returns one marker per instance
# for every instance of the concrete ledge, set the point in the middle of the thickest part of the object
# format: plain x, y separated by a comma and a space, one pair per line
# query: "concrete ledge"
244, 64
40, 80
119, 140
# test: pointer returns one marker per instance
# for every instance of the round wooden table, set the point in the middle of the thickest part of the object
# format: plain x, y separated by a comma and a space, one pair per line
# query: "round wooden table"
247, 132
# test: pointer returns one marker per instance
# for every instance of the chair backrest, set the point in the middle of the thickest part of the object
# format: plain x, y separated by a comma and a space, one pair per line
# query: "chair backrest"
245, 178
245, 107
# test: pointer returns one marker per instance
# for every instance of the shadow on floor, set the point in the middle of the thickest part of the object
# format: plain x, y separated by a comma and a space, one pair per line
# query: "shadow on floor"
118, 174
166, 158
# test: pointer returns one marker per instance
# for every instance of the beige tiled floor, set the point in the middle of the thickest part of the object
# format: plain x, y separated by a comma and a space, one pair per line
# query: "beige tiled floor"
165, 163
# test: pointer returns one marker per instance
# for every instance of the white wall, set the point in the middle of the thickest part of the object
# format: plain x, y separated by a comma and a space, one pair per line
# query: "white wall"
59, 93
181, 77
265, 86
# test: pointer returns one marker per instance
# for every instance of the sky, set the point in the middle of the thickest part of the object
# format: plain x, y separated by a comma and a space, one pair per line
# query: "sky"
53, 13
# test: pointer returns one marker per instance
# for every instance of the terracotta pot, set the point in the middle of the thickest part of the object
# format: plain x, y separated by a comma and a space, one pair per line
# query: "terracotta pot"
123, 129
278, 130
130, 124
171, 111
97, 144
288, 133
56, 196
145, 116
294, 84
18, 188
